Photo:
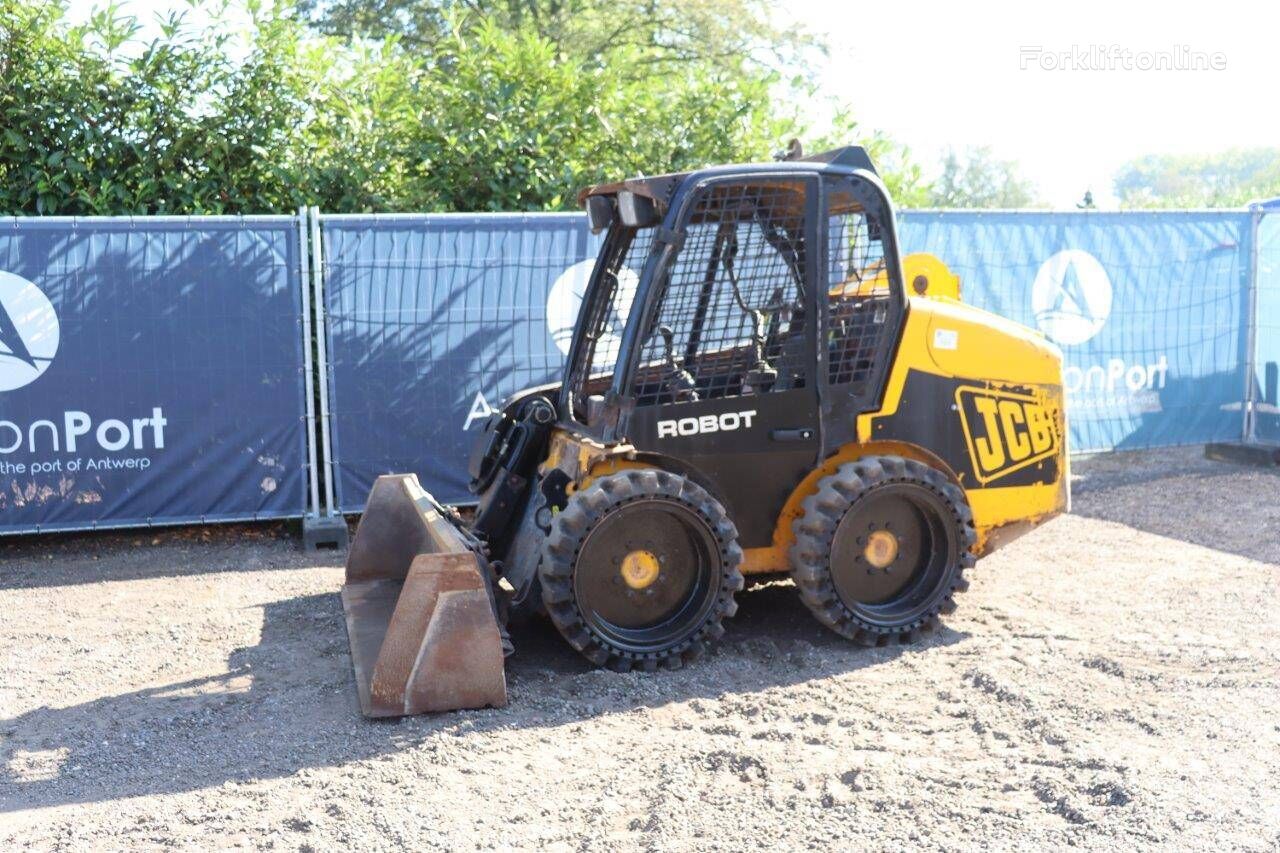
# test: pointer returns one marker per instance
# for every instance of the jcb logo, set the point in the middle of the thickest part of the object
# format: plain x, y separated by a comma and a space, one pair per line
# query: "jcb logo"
1005, 431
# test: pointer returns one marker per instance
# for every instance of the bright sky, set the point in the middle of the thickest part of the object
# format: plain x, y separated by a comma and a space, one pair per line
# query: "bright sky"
934, 74
937, 74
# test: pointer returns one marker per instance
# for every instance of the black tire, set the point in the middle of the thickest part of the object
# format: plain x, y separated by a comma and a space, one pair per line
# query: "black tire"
865, 602
676, 523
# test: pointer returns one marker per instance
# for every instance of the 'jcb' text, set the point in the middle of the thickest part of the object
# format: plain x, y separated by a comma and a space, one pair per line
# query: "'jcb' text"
1005, 431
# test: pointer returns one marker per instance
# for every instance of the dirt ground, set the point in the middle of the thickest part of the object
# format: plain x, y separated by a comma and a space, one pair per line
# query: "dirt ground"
1110, 681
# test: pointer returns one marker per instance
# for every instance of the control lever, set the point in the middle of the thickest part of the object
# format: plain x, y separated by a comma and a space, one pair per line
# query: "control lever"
675, 377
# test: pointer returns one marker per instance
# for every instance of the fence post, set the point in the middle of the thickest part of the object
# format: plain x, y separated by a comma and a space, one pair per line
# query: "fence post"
308, 366
322, 346
329, 528
1248, 427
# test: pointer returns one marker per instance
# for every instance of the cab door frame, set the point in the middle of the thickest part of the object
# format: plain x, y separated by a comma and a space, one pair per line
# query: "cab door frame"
755, 465
840, 404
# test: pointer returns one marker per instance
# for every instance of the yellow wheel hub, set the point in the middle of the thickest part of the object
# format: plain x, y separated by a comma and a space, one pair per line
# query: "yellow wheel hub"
639, 569
882, 548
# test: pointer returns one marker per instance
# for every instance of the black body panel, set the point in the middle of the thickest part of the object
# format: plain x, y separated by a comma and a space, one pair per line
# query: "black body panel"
754, 465
916, 421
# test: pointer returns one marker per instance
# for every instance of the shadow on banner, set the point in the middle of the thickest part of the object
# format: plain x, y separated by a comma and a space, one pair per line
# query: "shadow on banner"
150, 371
434, 319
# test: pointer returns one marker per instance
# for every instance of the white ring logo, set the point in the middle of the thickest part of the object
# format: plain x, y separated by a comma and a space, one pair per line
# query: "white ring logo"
565, 300
28, 332
1071, 297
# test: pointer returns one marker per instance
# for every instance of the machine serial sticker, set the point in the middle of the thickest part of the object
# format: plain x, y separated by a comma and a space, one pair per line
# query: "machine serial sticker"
946, 338
1005, 432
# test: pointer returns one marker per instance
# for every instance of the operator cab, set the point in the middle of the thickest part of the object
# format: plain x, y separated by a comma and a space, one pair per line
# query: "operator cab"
759, 303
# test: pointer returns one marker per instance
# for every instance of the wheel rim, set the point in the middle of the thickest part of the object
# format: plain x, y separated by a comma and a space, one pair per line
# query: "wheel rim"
891, 553
647, 576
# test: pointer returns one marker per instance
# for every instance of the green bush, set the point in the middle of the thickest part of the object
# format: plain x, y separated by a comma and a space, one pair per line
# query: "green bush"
92, 127
1227, 178
490, 115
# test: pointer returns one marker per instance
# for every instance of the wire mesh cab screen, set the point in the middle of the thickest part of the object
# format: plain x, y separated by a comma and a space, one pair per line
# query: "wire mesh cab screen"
861, 304
731, 316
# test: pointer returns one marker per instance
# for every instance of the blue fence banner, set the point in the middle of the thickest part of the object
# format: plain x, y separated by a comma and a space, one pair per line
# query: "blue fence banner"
151, 371
434, 319
1267, 329
1150, 310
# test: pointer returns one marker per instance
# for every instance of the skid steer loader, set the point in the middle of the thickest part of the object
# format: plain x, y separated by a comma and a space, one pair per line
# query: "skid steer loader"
757, 383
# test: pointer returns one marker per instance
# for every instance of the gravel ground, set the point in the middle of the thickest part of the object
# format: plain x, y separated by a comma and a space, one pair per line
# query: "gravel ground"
1111, 681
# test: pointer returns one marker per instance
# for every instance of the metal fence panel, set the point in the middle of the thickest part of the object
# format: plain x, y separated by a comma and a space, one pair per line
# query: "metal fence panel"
1267, 393
434, 318
151, 371
1149, 309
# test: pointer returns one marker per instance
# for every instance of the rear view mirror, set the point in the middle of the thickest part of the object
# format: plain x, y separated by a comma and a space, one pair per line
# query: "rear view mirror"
636, 211
599, 212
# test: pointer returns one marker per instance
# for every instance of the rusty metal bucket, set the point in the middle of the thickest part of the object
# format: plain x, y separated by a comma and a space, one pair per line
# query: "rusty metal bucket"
422, 628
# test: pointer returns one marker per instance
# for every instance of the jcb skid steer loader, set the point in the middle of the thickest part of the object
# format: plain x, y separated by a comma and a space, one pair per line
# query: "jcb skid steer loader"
757, 383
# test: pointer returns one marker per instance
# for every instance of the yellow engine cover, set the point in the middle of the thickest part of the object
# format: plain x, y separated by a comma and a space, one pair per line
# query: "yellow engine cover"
983, 395
924, 275
972, 394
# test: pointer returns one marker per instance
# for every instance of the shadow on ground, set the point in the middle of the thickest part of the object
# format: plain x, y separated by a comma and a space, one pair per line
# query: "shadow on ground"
1219, 505
66, 559
289, 703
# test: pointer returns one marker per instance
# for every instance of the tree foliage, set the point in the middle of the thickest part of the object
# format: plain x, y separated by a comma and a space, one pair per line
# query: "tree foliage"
1231, 178
491, 112
90, 127
721, 34
978, 178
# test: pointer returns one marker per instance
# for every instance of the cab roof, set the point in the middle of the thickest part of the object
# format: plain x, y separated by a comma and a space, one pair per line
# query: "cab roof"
661, 188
